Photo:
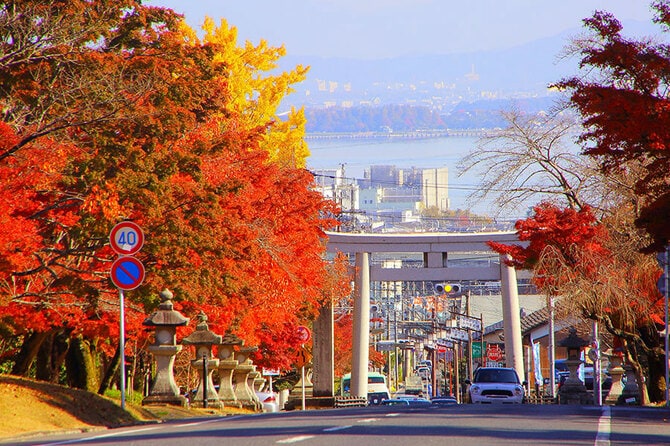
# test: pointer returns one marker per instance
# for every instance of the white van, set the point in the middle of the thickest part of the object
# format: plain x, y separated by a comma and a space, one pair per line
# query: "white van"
377, 388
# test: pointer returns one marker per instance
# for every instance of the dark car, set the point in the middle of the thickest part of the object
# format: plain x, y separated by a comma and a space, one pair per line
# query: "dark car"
561, 371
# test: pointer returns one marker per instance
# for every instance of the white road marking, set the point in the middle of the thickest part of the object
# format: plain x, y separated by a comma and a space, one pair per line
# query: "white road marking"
604, 427
213, 420
97, 437
336, 428
392, 414
295, 439
368, 420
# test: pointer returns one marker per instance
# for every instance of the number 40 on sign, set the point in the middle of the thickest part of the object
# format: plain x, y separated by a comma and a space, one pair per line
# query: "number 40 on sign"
126, 238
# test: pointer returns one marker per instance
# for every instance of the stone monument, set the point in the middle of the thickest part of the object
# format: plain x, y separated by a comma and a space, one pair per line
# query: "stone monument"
573, 391
227, 365
616, 372
165, 319
203, 340
243, 393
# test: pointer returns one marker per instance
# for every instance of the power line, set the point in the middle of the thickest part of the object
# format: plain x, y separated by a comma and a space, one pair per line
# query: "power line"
463, 187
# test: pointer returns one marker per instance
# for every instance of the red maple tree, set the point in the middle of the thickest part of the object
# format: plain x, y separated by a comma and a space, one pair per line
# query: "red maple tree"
154, 141
625, 108
578, 258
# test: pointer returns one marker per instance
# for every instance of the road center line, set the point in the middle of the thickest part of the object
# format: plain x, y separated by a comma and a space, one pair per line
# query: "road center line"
295, 439
336, 428
604, 427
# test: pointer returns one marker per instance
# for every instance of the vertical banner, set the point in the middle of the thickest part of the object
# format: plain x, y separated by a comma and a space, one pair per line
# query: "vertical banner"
537, 368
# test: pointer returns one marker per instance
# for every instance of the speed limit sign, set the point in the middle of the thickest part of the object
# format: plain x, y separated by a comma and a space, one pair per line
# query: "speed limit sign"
126, 238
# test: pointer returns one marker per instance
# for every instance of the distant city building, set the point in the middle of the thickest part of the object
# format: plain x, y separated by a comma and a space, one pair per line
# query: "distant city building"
435, 188
387, 194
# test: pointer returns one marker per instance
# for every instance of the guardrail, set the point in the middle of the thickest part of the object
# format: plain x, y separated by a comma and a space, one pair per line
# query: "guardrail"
350, 401
541, 399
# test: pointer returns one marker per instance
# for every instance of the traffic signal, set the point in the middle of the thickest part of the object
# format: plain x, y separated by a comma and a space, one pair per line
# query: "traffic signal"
448, 288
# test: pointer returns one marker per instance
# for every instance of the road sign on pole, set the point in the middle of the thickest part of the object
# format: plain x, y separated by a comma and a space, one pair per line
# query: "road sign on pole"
494, 353
304, 334
127, 273
126, 238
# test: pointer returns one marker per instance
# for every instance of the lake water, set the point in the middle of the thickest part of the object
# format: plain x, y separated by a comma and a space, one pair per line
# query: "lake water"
357, 155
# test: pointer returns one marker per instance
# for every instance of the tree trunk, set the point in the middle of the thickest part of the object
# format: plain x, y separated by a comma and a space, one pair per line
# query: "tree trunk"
656, 383
110, 373
51, 356
26, 356
633, 360
80, 364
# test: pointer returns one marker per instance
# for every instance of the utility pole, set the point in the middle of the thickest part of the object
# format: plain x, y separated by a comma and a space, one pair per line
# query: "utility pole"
552, 348
467, 313
666, 270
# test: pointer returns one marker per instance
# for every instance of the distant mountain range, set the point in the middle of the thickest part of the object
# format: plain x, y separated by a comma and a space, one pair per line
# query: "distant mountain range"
523, 71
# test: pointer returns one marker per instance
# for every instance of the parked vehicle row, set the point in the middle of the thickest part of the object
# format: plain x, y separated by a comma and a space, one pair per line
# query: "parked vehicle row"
378, 390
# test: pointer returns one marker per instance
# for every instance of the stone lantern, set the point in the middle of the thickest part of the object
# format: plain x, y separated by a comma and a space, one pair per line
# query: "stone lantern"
616, 371
252, 379
165, 319
573, 391
227, 364
244, 394
203, 340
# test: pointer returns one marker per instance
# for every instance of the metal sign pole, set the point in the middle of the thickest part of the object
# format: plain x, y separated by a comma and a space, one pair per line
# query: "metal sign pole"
302, 377
667, 346
122, 349
205, 390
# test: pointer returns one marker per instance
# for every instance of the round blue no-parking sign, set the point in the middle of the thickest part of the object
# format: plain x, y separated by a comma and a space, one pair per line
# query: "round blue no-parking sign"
127, 273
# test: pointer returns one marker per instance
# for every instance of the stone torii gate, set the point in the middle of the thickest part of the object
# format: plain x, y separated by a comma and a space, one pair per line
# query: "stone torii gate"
435, 248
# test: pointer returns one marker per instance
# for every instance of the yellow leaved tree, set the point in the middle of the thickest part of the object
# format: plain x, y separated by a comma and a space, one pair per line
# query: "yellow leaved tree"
256, 97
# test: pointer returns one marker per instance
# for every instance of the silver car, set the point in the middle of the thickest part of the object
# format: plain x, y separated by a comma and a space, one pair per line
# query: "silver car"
495, 385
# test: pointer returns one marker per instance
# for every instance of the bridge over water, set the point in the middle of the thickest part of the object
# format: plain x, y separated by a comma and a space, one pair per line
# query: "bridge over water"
418, 134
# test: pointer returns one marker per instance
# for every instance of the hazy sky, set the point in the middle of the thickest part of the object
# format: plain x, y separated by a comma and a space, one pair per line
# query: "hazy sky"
386, 28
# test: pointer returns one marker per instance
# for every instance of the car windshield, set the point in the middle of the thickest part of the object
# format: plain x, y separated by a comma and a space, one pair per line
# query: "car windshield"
496, 376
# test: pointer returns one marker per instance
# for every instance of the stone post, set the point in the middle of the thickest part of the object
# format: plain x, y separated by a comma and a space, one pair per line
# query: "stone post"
203, 340
252, 379
242, 391
227, 364
631, 391
323, 353
259, 382
616, 372
165, 319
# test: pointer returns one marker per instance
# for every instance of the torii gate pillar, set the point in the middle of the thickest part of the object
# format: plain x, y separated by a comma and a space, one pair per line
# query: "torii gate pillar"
361, 332
511, 317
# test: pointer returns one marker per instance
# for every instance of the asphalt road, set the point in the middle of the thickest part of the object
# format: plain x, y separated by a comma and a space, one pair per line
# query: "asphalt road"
400, 426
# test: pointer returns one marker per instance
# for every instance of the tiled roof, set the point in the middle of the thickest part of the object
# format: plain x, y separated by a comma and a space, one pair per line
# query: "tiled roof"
528, 322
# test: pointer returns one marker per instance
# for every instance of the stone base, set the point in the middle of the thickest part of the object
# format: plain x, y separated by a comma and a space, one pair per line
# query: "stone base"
211, 404
581, 399
312, 402
573, 391
159, 400
231, 403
